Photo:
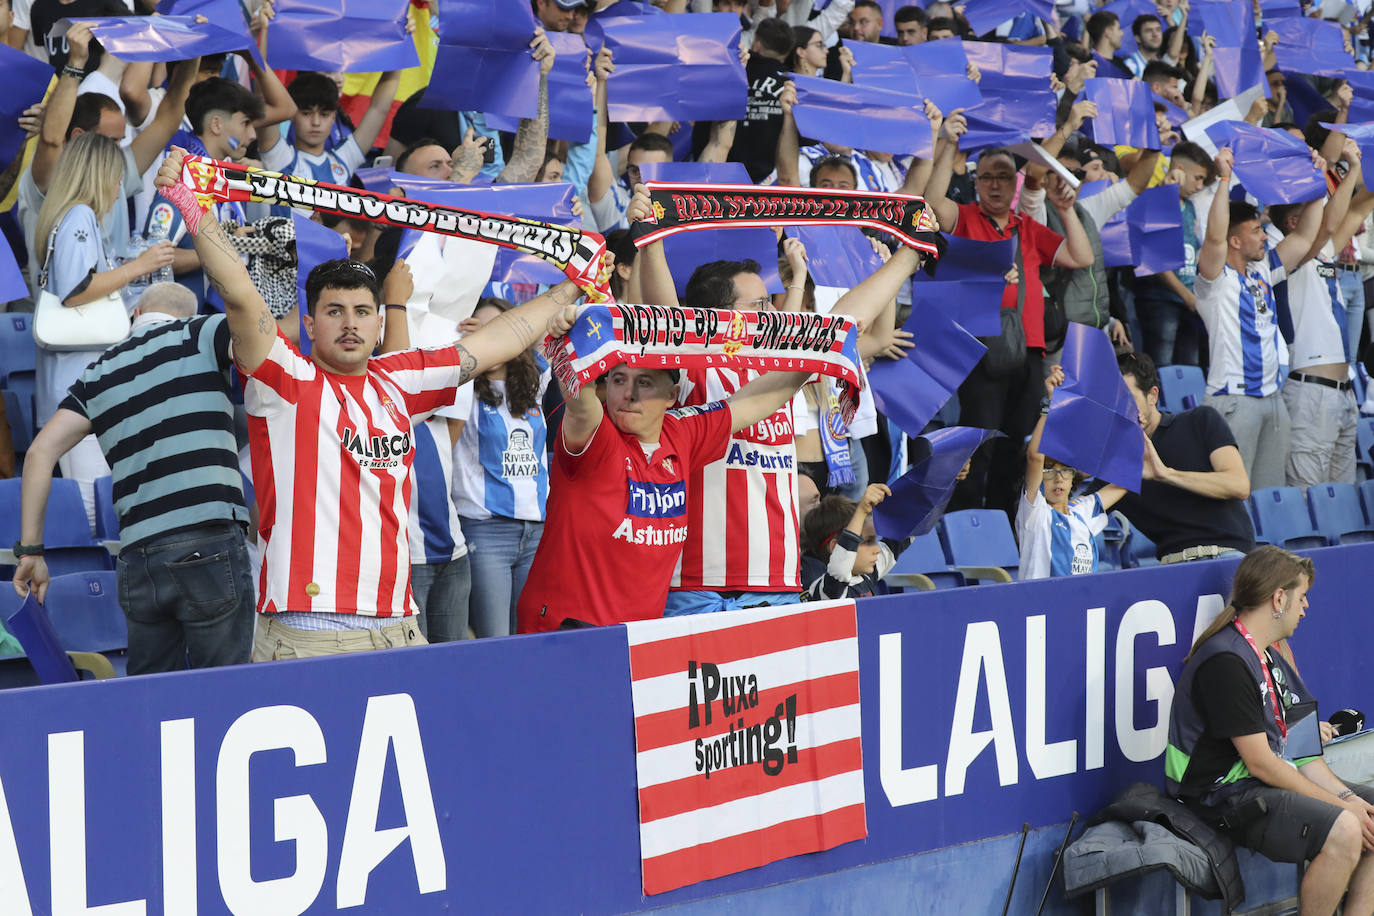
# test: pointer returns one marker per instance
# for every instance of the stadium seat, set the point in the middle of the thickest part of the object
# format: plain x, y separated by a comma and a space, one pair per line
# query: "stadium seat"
1366, 489
1281, 515
22, 384
979, 544
106, 521
1180, 388
923, 566
17, 349
1337, 514
1138, 550
1364, 437
21, 427
1111, 543
85, 613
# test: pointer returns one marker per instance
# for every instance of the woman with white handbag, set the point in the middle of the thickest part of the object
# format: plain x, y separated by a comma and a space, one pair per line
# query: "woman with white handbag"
80, 311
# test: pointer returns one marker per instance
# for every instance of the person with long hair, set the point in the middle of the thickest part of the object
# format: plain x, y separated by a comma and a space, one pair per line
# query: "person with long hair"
808, 51
75, 265
501, 481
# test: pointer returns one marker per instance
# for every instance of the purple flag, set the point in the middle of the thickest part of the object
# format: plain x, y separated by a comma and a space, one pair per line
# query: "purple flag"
911, 390
676, 67
687, 251
1310, 46
1015, 83
1155, 222
920, 495
1237, 56
227, 14
26, 80
163, 38
861, 117
1274, 166
1125, 113
838, 256
1092, 424
341, 36
935, 70
315, 244
571, 112
483, 60
984, 132
970, 283
985, 15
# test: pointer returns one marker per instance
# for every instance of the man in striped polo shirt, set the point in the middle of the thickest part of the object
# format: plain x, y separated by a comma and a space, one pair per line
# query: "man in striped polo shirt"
159, 405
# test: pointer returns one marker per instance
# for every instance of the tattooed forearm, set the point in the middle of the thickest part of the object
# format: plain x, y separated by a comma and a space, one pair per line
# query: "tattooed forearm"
266, 323
467, 364
522, 330
527, 154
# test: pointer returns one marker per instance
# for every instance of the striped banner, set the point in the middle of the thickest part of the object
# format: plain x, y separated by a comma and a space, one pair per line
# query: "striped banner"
746, 738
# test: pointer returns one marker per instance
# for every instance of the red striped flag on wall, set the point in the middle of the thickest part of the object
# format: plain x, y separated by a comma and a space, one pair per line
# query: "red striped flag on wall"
747, 739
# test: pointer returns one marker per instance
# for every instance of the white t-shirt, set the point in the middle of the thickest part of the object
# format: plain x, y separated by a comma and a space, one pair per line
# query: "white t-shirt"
1055, 544
1313, 291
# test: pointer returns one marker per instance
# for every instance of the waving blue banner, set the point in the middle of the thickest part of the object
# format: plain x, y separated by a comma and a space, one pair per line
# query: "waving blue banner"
934, 70
1156, 226
1274, 166
838, 256
920, 495
483, 59
1093, 425
26, 80
675, 67
969, 284
1125, 113
910, 391
164, 38
341, 36
571, 111
861, 117
1362, 134
1015, 83
986, 15
1238, 63
1310, 46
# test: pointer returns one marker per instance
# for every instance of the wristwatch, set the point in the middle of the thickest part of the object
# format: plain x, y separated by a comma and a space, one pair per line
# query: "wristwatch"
27, 550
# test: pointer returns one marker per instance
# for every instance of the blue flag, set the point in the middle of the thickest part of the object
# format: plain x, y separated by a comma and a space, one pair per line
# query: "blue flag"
1362, 134
315, 244
970, 283
1125, 113
1310, 46
164, 38
687, 251
1015, 83
861, 117
26, 80
341, 36
1093, 425
984, 132
1155, 223
227, 14
571, 110
985, 15
676, 67
12, 285
1274, 166
1271, 10
920, 495
911, 390
838, 256
1237, 56
935, 70
483, 59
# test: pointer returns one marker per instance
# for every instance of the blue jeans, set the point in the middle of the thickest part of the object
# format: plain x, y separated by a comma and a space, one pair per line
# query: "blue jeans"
1352, 288
682, 603
441, 594
502, 551
188, 594
1169, 335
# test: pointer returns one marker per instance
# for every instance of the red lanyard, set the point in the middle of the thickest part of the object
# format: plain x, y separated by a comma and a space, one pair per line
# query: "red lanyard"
1268, 678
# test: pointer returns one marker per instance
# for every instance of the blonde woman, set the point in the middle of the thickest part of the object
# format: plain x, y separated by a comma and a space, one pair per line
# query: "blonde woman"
75, 267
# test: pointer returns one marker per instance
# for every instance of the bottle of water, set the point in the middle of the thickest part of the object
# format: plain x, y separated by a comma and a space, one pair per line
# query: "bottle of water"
157, 232
135, 287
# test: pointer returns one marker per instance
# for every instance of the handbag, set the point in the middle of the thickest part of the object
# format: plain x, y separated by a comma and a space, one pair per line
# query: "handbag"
93, 326
1006, 353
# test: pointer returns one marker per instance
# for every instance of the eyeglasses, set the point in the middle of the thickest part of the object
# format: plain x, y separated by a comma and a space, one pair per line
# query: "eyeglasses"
762, 302
1060, 473
1000, 178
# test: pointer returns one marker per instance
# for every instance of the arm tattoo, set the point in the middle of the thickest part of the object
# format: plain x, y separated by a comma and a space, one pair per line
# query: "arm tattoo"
520, 327
267, 325
530, 141
467, 364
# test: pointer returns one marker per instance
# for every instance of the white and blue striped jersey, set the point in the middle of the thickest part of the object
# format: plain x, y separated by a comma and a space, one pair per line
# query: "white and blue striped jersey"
1056, 544
335, 165
1242, 327
435, 534
500, 462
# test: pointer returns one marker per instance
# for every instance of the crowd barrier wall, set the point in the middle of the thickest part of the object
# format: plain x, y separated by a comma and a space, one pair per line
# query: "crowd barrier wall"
499, 775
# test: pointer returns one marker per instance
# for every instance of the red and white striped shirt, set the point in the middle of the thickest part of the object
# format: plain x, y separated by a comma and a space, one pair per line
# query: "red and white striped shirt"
743, 530
337, 449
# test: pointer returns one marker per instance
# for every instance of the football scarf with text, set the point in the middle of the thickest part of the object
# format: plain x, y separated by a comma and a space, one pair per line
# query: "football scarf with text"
690, 207
680, 337
578, 254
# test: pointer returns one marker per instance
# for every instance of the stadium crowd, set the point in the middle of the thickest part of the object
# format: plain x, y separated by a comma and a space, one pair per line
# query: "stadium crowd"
259, 456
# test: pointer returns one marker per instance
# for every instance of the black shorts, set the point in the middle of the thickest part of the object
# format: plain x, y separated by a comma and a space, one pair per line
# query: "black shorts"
1294, 828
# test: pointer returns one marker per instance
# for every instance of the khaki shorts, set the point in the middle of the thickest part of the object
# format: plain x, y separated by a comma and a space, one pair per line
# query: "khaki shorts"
275, 640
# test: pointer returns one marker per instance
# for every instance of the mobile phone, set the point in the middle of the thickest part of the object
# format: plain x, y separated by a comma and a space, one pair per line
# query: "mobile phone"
488, 150
382, 162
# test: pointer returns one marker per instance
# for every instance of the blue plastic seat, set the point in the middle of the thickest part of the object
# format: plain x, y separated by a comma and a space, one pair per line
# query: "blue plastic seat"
17, 349
1138, 550
1337, 513
1366, 489
1281, 515
1364, 448
1180, 388
21, 426
85, 613
106, 521
979, 544
23, 385
65, 524
923, 565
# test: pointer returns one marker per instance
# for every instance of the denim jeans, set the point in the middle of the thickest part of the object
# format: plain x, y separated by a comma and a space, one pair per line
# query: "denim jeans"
502, 550
188, 594
441, 594
1352, 289
1170, 338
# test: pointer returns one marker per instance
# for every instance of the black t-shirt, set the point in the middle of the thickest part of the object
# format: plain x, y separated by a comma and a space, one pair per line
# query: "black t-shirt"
756, 137
47, 12
1175, 518
412, 123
